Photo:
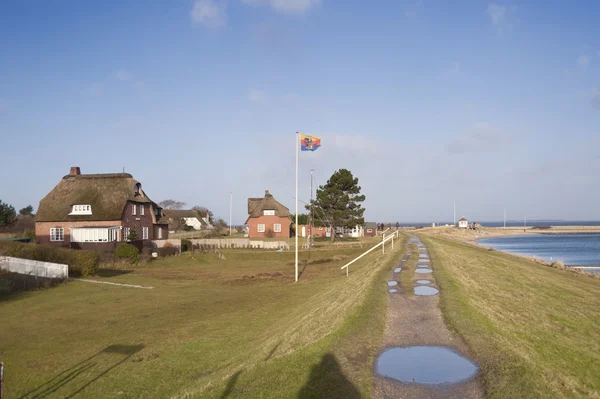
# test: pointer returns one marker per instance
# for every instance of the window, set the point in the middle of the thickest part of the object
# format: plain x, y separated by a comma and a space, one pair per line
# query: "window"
144, 233
142, 210
57, 234
261, 228
125, 233
160, 233
95, 234
369, 230
81, 210
133, 208
269, 212
277, 228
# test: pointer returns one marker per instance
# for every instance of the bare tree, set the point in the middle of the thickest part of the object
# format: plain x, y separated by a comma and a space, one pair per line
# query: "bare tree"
203, 212
171, 204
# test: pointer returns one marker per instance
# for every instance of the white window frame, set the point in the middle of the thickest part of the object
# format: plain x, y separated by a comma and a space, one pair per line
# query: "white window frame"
133, 209
160, 233
269, 212
277, 228
144, 233
81, 210
57, 234
261, 227
125, 233
142, 210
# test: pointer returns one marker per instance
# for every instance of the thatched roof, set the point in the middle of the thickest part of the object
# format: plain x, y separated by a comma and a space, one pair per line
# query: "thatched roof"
181, 213
107, 194
371, 225
256, 206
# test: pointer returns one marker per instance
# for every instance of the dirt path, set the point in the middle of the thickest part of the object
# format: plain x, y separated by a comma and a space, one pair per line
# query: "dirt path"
417, 321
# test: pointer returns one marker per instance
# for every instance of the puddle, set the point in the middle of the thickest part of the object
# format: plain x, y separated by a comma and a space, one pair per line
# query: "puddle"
423, 265
424, 260
429, 365
423, 290
392, 283
392, 290
397, 270
423, 270
423, 281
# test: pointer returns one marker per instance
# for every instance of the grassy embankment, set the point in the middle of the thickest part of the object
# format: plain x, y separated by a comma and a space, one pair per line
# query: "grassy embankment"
210, 327
534, 330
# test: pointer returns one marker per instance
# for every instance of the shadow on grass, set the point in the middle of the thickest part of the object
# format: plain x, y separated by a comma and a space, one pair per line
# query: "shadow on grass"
84, 373
112, 272
272, 351
230, 385
328, 381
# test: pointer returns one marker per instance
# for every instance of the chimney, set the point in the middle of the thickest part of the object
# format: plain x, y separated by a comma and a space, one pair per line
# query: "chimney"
267, 193
75, 171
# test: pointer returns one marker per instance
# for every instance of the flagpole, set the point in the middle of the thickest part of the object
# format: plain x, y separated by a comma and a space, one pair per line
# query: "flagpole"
296, 227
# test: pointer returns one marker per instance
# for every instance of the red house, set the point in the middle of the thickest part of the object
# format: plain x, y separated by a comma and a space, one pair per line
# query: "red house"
96, 211
267, 217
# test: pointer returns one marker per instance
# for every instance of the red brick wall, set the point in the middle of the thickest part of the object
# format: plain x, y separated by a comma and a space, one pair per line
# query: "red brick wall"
372, 233
138, 221
269, 221
42, 230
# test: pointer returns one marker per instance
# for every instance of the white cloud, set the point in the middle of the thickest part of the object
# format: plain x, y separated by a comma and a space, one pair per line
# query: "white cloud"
210, 13
583, 61
500, 16
257, 96
123, 75
286, 6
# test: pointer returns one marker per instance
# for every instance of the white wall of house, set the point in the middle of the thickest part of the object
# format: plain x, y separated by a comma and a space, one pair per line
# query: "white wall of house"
463, 224
193, 222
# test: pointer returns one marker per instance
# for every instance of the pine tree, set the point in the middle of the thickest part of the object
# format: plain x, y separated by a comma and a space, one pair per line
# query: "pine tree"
340, 200
8, 216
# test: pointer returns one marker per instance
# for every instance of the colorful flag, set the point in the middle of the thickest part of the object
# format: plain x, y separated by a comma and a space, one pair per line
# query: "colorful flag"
309, 143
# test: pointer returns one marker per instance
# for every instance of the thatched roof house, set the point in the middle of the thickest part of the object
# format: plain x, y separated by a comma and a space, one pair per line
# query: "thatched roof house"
190, 218
98, 208
267, 217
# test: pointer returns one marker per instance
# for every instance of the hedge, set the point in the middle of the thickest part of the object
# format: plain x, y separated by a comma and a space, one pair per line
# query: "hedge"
127, 251
81, 263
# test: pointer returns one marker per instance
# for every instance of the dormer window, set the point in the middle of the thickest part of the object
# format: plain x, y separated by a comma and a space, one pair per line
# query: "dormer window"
269, 212
81, 210
137, 190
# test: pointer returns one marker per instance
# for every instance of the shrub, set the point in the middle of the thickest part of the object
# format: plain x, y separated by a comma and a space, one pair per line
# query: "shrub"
558, 265
168, 251
81, 263
127, 251
132, 236
186, 245
29, 234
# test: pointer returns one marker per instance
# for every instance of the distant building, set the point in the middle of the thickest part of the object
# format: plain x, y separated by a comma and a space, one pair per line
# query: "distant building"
266, 216
463, 223
96, 211
191, 218
370, 229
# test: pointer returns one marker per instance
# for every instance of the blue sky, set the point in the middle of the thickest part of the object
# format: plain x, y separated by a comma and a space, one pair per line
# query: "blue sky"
489, 104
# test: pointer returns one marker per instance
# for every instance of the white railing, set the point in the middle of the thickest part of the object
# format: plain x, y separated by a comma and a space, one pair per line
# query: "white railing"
382, 243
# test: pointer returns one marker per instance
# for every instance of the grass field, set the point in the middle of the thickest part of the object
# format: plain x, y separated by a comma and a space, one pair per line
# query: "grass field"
534, 330
209, 328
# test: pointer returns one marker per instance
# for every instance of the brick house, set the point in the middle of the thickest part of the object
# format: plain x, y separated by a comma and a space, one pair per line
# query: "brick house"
370, 229
96, 211
266, 214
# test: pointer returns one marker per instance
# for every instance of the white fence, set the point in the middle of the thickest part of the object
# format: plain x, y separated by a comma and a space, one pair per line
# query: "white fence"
227, 243
381, 244
34, 267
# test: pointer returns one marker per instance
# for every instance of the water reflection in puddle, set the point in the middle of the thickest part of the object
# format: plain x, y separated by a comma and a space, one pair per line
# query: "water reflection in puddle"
423, 281
392, 283
397, 270
392, 290
425, 365
423, 290
423, 270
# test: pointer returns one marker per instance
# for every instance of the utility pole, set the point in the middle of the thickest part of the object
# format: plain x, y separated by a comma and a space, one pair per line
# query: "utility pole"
504, 217
310, 220
454, 213
230, 210
525, 222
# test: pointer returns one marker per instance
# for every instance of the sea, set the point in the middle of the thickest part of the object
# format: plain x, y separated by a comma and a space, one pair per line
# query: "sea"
571, 249
510, 223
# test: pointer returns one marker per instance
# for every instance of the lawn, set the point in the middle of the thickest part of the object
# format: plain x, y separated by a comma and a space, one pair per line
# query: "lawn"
238, 326
535, 330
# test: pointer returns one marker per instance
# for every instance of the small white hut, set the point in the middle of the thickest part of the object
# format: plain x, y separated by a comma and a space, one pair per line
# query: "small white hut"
463, 223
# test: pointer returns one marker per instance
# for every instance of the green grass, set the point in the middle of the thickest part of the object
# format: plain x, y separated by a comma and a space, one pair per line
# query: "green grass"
534, 330
239, 326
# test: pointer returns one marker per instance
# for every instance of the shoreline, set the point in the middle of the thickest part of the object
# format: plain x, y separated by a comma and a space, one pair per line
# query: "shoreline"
471, 237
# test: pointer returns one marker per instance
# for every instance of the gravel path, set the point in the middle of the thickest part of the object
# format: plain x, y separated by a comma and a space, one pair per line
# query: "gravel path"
417, 320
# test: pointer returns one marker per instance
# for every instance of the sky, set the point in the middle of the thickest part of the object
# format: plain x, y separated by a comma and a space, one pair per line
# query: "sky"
489, 105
